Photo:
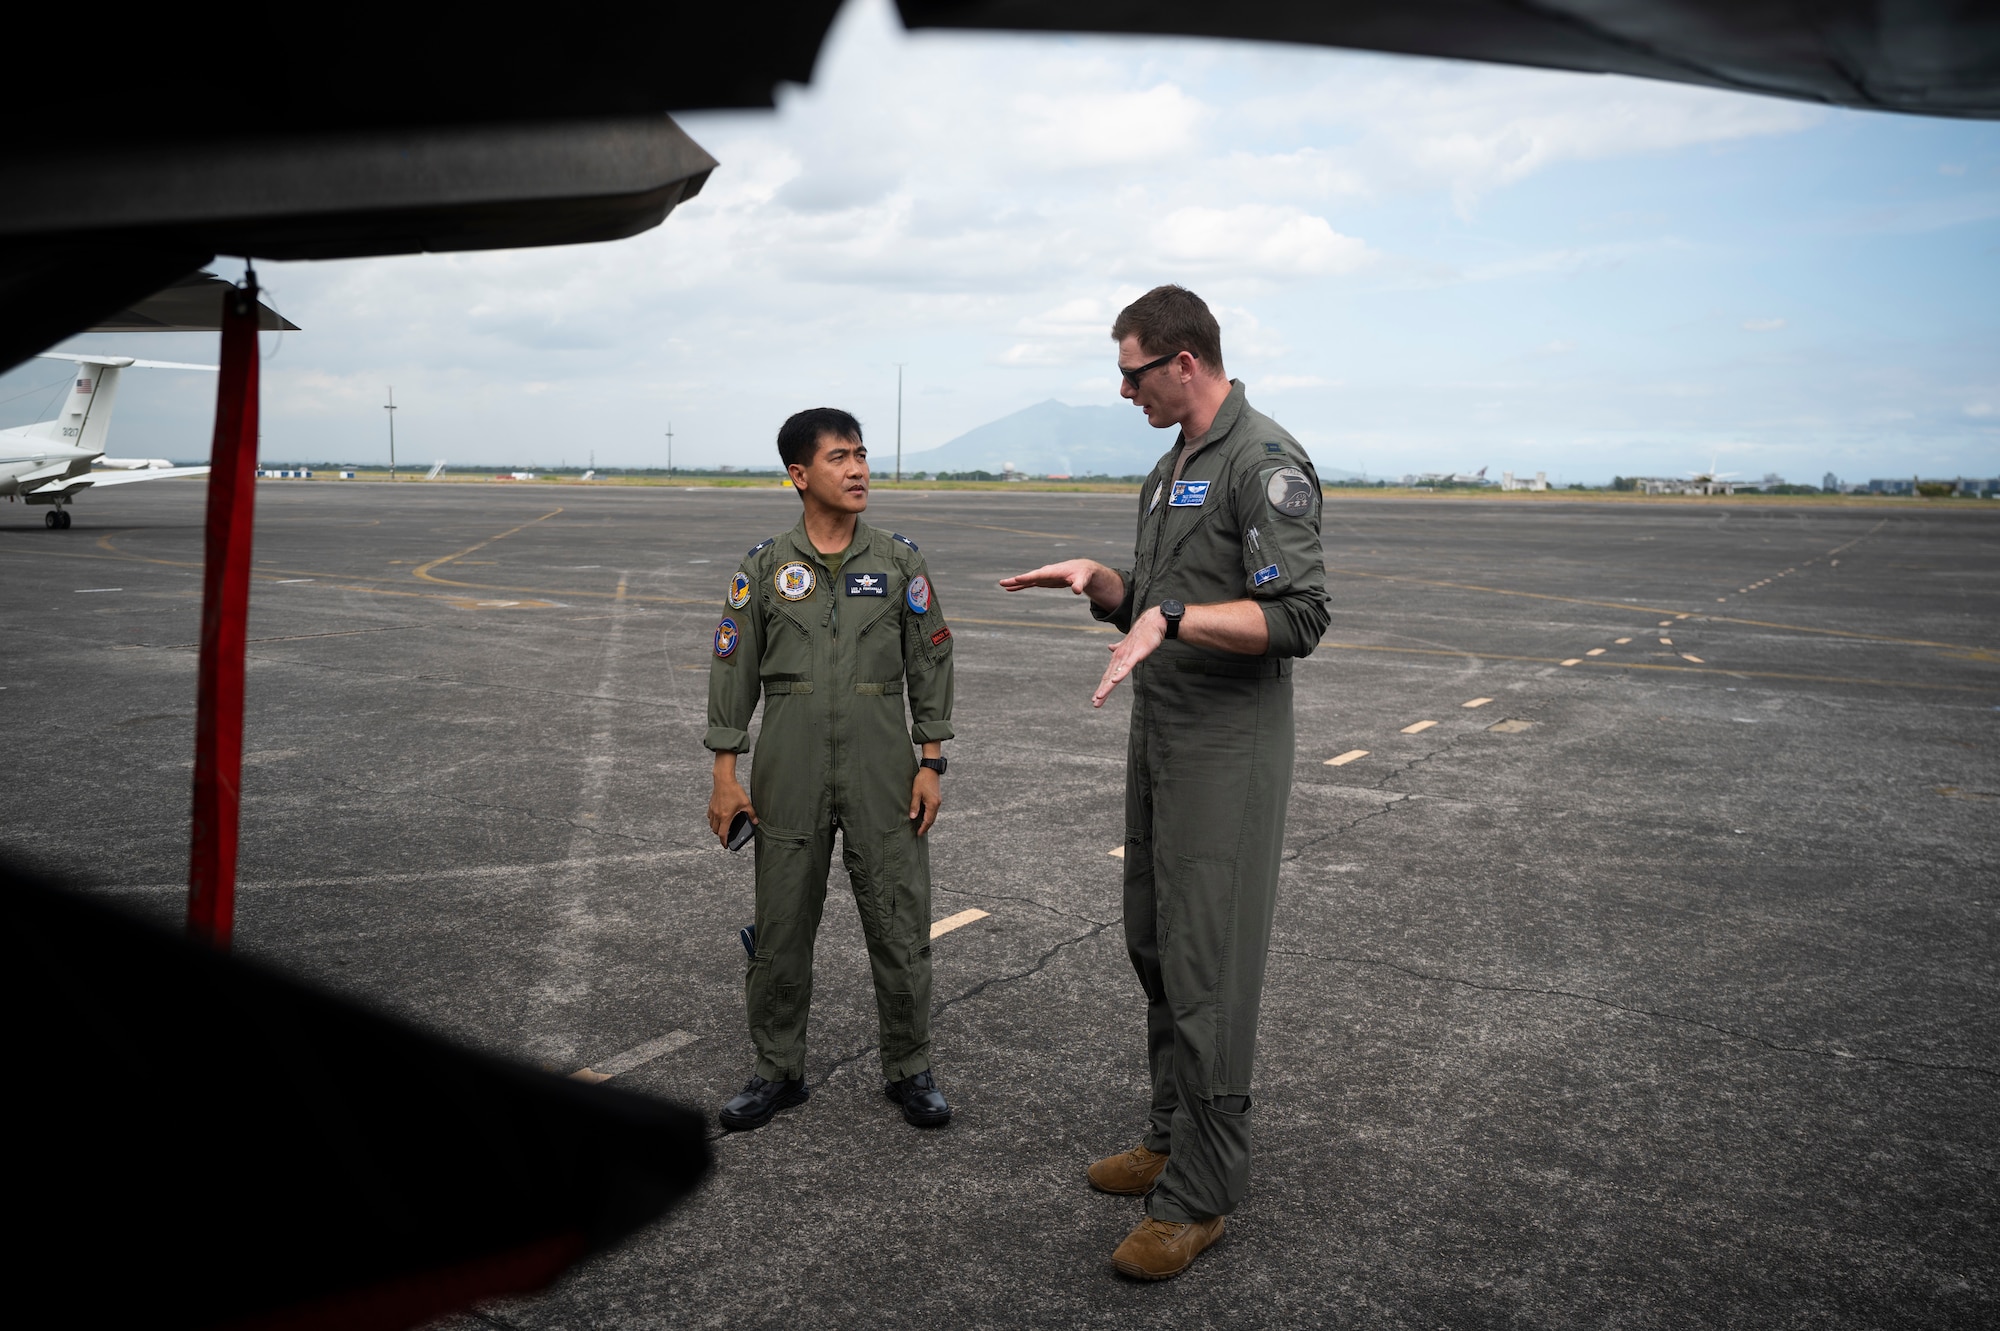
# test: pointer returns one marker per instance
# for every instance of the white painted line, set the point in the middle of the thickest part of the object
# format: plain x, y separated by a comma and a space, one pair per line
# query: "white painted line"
82, 591
1476, 702
1689, 656
1117, 854
284, 581
1345, 758
1666, 623
1595, 651
958, 921
1418, 727
1574, 660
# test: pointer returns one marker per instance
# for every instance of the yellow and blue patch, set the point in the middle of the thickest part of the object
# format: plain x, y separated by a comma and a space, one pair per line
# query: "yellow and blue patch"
1188, 494
739, 590
726, 637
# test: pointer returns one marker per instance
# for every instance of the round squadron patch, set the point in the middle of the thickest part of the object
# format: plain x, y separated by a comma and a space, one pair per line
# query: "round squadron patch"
1289, 492
919, 594
726, 637
739, 590
794, 581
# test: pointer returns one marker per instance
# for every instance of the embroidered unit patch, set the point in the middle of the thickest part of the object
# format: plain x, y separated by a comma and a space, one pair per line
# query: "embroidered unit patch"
1268, 573
867, 584
1188, 494
794, 581
1289, 492
942, 635
739, 590
919, 594
726, 637
904, 539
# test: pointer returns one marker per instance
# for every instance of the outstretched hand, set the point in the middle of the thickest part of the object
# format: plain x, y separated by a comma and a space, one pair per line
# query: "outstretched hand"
1148, 632
1075, 574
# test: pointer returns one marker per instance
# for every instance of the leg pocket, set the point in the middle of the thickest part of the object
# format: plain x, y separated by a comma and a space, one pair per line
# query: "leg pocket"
1198, 923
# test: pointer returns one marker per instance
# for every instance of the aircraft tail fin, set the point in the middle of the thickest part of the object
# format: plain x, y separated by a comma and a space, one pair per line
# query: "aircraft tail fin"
86, 412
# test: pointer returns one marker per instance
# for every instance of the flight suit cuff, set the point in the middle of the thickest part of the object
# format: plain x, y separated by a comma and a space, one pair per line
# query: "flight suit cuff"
1120, 617
1282, 632
930, 732
722, 739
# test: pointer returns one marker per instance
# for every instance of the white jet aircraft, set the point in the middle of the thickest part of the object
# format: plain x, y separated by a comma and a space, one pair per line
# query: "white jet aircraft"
50, 463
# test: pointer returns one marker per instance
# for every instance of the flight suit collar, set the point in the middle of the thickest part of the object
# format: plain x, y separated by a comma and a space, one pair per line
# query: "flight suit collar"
1225, 420
802, 545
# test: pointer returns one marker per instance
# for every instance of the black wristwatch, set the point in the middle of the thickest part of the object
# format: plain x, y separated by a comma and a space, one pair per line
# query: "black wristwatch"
1171, 611
935, 764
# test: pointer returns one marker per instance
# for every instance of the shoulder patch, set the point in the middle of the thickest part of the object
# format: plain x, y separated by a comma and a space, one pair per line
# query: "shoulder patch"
762, 546
1273, 446
1289, 492
898, 536
739, 590
918, 595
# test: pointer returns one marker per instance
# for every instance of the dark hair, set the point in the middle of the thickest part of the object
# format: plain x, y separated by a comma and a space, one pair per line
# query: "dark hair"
1172, 319
799, 436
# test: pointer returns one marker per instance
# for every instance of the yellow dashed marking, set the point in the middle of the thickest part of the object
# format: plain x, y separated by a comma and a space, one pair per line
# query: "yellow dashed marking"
1118, 853
1666, 623
589, 1078
1621, 642
1688, 656
1666, 642
1418, 727
958, 921
1510, 726
1574, 660
1346, 758
1476, 702
1595, 651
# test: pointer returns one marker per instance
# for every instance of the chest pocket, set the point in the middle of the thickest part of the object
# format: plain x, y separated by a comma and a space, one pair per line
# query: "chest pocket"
878, 639
788, 649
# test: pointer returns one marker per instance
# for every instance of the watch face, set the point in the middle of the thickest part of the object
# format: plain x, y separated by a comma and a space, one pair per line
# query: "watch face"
1172, 609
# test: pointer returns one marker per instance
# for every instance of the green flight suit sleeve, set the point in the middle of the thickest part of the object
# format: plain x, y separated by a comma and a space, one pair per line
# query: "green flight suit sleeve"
1278, 504
1120, 615
927, 669
736, 648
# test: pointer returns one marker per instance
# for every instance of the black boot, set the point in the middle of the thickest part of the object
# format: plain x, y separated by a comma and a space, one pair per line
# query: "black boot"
923, 1103
753, 1106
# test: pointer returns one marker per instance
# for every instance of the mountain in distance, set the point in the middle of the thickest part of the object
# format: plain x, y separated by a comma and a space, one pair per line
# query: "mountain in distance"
1053, 439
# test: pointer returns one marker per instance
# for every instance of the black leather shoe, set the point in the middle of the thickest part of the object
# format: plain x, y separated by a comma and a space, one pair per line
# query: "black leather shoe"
923, 1103
753, 1106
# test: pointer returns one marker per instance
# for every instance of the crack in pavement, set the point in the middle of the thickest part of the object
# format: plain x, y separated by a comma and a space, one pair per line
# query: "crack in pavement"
1732, 1033
1002, 896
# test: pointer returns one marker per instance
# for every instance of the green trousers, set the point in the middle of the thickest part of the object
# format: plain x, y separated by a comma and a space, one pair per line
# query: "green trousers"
1208, 776
891, 873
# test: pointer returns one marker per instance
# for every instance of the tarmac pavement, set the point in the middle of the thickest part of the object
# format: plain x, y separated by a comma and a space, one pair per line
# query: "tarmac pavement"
1658, 990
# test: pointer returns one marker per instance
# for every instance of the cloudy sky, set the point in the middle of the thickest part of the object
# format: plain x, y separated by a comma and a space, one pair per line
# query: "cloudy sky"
1417, 265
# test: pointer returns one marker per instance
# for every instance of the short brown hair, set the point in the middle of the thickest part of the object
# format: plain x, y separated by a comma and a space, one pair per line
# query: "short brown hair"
1172, 319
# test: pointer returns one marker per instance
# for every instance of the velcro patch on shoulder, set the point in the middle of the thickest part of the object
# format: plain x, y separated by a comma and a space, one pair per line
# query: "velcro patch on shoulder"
897, 536
1273, 446
941, 636
762, 546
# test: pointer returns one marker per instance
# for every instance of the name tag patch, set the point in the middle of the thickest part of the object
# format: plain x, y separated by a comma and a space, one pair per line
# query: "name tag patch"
943, 635
1188, 494
867, 584
1268, 573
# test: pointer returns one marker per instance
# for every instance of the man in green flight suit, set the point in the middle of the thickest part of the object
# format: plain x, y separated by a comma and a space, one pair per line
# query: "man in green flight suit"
835, 624
1228, 586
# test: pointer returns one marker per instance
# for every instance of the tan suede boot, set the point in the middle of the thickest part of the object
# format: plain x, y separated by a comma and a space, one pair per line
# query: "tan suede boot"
1129, 1174
1158, 1249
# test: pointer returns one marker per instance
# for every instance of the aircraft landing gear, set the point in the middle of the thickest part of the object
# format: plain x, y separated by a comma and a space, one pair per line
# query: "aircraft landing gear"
55, 519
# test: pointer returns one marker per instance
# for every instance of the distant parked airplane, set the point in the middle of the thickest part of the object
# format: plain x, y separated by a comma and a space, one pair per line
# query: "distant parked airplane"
51, 462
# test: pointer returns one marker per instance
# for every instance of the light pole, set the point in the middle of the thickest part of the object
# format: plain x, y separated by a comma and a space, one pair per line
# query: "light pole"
391, 409
670, 450
899, 420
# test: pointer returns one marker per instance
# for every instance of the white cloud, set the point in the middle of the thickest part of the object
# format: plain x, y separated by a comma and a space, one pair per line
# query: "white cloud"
1762, 325
1254, 239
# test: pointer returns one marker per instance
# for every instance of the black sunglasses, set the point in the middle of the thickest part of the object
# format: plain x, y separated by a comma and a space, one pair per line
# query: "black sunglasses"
1133, 376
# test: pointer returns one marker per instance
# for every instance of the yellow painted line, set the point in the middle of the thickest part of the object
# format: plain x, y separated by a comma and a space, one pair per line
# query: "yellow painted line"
958, 921
1621, 642
619, 595
1954, 793
1666, 642
948, 522
1666, 623
1574, 660
1117, 853
589, 1078
1595, 651
1417, 727
424, 570
1696, 659
1345, 758
1476, 702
